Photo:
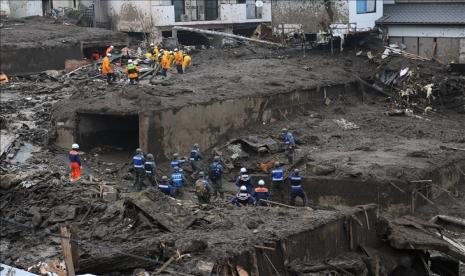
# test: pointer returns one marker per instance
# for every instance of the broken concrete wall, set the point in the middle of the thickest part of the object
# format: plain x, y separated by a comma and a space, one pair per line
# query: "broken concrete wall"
392, 196
314, 16
130, 16
38, 58
175, 130
329, 240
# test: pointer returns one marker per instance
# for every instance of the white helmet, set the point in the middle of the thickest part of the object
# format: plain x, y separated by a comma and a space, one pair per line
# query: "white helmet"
111, 46
108, 55
75, 146
243, 170
176, 49
151, 44
243, 188
130, 61
171, 52
261, 182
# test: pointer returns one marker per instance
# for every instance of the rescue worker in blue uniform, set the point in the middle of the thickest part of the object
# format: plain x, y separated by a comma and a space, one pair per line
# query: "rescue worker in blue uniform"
277, 178
149, 168
194, 159
244, 180
138, 162
165, 186
215, 173
202, 189
243, 198
176, 162
296, 188
289, 143
261, 192
178, 180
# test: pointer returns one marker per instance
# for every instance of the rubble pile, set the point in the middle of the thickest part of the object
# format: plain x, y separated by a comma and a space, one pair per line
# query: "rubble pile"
422, 85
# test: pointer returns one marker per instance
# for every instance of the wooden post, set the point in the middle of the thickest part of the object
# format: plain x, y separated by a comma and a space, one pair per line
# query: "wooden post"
65, 244
74, 245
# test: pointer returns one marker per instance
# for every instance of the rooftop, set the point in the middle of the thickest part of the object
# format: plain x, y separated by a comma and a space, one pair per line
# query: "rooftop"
424, 13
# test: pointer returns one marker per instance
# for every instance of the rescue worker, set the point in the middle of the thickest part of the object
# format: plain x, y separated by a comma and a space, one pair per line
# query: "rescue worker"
165, 64
178, 59
171, 56
132, 71
75, 163
215, 173
277, 178
243, 198
176, 162
244, 180
109, 50
186, 63
202, 189
296, 188
194, 159
289, 143
149, 167
261, 192
107, 69
178, 180
165, 186
138, 163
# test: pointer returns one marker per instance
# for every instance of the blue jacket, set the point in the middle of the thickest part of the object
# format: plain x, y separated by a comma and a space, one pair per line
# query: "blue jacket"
176, 163
177, 179
261, 193
138, 161
289, 139
74, 157
296, 182
166, 188
149, 167
215, 170
195, 155
247, 183
277, 174
243, 199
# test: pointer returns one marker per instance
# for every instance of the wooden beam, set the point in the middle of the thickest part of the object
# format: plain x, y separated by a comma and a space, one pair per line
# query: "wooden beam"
66, 246
227, 35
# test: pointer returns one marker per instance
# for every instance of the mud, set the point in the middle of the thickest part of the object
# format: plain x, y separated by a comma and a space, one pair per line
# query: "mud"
348, 135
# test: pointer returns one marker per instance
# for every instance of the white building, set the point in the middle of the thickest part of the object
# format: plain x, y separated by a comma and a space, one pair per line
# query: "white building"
159, 16
429, 28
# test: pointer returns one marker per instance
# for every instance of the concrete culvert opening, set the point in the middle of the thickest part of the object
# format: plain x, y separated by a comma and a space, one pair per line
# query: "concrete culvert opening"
98, 130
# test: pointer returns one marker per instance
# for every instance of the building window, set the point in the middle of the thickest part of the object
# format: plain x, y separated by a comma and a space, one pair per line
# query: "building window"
366, 6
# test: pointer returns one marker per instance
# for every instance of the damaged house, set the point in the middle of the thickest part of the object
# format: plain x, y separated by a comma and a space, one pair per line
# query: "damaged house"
427, 28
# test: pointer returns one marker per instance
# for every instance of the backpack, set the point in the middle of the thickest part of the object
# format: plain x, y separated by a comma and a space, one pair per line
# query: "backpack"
214, 172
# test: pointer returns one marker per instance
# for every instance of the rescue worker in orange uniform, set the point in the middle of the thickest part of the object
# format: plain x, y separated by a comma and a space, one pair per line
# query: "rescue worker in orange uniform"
107, 69
178, 59
109, 50
165, 64
75, 163
171, 58
132, 71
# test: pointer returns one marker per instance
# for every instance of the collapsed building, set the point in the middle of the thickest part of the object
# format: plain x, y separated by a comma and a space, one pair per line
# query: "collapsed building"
354, 149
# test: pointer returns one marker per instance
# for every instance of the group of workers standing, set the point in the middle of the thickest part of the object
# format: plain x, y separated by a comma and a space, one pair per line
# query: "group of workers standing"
161, 59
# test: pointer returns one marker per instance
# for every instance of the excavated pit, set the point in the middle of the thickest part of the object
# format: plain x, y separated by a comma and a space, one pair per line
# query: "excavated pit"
117, 131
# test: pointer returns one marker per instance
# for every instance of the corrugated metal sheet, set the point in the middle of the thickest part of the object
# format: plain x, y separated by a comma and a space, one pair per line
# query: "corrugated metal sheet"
424, 13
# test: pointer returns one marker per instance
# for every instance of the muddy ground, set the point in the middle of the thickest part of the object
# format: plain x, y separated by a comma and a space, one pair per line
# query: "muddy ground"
346, 137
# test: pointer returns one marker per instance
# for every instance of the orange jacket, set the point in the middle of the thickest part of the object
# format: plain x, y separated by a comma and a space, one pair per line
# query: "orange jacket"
132, 71
178, 57
106, 66
165, 62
